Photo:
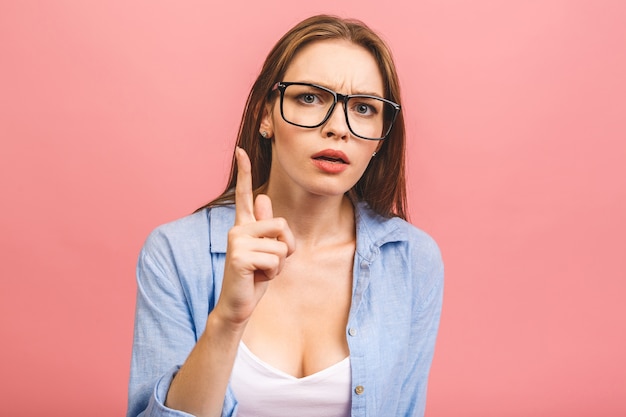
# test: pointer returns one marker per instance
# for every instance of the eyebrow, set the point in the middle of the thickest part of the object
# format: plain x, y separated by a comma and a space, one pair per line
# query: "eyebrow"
364, 93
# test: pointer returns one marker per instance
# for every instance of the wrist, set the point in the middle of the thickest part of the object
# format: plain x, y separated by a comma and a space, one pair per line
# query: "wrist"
218, 323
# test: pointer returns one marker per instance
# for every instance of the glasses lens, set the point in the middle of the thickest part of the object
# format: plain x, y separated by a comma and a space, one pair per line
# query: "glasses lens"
307, 106
369, 117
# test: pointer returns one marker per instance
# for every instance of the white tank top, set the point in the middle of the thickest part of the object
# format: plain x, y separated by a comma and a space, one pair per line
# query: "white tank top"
264, 391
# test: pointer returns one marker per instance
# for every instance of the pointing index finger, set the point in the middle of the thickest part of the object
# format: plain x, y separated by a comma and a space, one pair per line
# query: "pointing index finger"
244, 200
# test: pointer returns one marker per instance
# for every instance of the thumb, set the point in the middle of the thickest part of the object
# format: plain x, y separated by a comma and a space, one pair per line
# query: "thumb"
263, 207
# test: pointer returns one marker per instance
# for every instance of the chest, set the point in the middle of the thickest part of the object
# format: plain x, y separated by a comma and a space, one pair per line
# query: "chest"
299, 324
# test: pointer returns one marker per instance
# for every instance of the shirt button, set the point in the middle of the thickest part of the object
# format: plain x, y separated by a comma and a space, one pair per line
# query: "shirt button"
359, 389
352, 331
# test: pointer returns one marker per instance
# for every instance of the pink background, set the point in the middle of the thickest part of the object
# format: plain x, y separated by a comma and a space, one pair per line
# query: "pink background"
117, 116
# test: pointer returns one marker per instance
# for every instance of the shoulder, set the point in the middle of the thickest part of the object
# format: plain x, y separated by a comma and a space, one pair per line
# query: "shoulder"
405, 251
190, 235
379, 230
421, 248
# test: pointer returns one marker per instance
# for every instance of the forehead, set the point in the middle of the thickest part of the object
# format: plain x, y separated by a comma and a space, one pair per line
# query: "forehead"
337, 64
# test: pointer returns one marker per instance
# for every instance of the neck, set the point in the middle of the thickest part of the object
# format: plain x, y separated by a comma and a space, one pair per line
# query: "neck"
315, 220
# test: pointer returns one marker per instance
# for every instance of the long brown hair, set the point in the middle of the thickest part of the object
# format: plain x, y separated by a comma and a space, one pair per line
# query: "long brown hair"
383, 184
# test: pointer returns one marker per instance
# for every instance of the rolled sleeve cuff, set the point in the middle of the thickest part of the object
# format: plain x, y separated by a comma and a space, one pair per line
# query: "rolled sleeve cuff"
157, 408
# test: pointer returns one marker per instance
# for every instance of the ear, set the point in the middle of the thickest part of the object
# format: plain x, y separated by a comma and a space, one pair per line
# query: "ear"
267, 123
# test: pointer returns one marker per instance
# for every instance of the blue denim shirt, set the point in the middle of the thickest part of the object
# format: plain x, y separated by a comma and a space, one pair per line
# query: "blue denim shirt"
392, 326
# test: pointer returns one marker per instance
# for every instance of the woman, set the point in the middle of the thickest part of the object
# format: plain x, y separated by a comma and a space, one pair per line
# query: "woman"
301, 290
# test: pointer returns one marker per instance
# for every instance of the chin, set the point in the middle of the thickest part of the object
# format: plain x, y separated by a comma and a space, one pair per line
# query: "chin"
328, 190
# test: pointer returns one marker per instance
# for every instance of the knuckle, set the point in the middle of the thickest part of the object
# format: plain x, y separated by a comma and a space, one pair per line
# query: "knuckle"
233, 233
235, 237
275, 262
284, 249
281, 222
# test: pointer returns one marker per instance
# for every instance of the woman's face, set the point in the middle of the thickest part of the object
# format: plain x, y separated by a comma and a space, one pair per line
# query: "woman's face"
326, 160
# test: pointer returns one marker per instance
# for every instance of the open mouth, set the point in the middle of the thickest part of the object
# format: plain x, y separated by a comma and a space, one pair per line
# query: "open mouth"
330, 159
332, 155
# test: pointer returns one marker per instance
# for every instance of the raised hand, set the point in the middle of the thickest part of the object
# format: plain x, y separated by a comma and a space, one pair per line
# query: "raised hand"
258, 245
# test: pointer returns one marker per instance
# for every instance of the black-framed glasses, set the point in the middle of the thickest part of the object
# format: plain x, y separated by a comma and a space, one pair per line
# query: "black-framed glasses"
310, 105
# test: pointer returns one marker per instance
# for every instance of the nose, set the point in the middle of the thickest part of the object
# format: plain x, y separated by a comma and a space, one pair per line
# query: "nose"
336, 126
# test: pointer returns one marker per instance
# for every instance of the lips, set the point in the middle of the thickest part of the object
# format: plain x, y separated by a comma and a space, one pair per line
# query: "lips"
332, 155
331, 161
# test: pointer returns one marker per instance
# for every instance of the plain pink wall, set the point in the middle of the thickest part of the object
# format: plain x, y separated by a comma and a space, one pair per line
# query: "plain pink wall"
117, 116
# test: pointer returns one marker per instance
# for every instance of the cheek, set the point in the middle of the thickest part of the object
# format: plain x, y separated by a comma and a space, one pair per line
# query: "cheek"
363, 161
284, 138
371, 149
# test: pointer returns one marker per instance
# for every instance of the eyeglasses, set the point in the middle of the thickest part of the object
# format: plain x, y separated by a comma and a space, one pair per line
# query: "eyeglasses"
310, 105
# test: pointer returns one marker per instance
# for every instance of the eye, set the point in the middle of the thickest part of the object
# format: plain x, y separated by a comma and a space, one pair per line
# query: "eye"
308, 98
363, 109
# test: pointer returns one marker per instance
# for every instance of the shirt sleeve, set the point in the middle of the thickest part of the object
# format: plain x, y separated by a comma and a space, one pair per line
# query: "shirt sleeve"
164, 332
426, 316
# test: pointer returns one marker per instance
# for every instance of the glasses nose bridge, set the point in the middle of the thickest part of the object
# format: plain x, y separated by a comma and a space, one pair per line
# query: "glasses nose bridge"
339, 98
344, 99
331, 117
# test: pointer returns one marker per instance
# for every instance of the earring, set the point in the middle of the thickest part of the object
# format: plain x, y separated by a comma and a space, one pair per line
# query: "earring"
264, 134
374, 154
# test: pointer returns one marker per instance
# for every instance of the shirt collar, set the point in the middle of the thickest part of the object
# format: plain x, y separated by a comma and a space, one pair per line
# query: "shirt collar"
373, 230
